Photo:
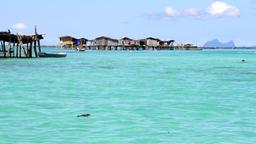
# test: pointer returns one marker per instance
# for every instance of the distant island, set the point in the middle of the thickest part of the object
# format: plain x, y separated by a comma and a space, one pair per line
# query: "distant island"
217, 44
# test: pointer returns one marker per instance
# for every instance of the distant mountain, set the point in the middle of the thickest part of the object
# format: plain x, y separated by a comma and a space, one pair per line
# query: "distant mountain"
217, 44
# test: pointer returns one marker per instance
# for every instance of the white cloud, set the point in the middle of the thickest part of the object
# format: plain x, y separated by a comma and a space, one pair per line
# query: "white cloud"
219, 8
169, 11
191, 12
20, 26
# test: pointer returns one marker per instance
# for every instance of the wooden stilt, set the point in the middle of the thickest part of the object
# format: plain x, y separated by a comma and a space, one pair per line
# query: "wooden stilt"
21, 45
27, 48
4, 49
20, 51
1, 46
39, 46
9, 44
9, 50
17, 50
35, 49
30, 49
13, 54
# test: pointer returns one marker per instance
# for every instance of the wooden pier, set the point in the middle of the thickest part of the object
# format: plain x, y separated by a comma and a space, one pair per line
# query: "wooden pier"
19, 46
127, 48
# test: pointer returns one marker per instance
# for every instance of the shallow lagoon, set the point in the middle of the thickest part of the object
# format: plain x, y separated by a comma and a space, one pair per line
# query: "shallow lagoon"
133, 97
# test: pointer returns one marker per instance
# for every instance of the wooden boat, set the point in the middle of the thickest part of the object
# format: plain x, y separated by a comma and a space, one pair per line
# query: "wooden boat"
51, 55
80, 49
83, 49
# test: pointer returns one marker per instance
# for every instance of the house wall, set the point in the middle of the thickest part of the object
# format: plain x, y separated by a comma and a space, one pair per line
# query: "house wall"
101, 42
152, 43
127, 42
66, 41
106, 42
164, 44
112, 43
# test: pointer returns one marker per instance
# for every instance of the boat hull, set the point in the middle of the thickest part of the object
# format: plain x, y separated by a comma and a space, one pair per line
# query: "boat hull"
51, 55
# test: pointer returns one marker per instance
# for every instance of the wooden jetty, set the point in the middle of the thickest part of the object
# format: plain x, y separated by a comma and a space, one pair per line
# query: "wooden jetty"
19, 46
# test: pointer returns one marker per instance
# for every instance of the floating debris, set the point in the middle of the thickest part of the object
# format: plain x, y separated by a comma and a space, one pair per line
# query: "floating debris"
84, 115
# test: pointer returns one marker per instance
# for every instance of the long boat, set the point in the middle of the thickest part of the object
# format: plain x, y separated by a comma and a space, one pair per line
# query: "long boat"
51, 55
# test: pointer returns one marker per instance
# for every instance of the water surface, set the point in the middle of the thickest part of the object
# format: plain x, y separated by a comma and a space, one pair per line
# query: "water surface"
134, 97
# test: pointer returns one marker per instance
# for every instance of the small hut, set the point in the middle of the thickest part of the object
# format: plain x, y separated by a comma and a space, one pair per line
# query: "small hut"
152, 42
80, 43
190, 46
105, 43
166, 45
67, 41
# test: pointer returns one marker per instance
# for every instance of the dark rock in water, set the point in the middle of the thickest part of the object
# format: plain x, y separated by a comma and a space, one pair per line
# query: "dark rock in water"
84, 115
217, 44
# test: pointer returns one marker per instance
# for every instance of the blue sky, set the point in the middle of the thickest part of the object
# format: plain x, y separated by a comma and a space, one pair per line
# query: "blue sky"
186, 21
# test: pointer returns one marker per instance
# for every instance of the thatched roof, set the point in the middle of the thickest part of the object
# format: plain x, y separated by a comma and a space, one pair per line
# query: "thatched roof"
67, 37
84, 39
126, 38
106, 38
151, 38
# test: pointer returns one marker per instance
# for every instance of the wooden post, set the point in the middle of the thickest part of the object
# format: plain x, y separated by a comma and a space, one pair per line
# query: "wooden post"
1, 45
30, 49
27, 47
35, 48
24, 50
13, 54
10, 45
37, 41
17, 50
20, 50
10, 49
4, 49
39, 46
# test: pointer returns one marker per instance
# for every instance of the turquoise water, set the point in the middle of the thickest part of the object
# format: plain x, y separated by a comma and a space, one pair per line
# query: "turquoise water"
188, 97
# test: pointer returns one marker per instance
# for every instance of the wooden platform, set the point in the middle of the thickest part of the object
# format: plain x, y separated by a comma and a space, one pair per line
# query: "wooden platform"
122, 47
19, 46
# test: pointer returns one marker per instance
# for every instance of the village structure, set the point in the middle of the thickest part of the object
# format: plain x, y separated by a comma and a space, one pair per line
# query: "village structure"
28, 46
71, 42
107, 43
19, 46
